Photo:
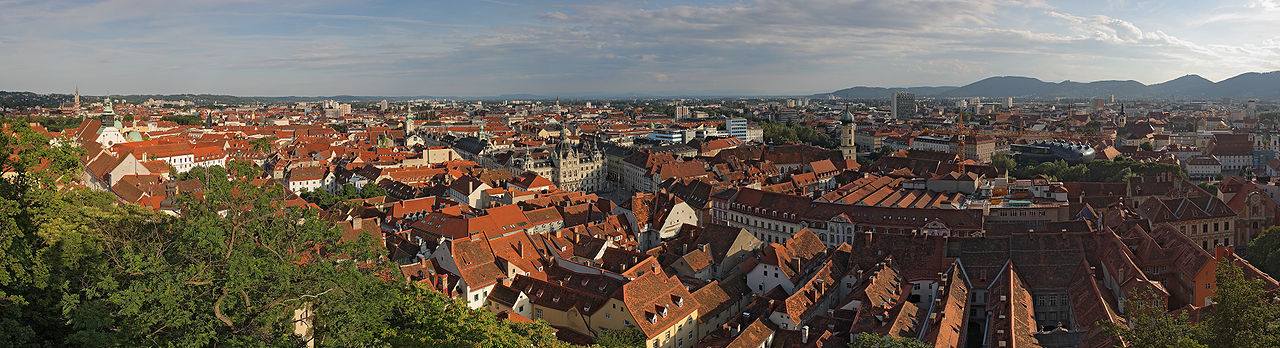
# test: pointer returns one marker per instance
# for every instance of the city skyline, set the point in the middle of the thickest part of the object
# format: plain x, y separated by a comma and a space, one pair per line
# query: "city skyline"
658, 48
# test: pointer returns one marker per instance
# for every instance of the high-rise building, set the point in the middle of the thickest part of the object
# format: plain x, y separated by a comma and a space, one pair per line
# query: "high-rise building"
737, 128
682, 112
904, 105
1008, 102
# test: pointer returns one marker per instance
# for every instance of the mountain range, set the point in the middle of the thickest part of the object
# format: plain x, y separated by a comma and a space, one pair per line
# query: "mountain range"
1250, 85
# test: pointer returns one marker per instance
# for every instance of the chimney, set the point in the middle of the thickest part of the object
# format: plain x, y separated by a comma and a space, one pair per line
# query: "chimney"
804, 334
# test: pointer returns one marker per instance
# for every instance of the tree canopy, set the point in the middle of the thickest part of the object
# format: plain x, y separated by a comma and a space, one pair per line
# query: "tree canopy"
1100, 170
1264, 251
236, 268
1243, 314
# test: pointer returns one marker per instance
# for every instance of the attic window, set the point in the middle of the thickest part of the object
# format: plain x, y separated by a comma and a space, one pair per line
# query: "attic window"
677, 300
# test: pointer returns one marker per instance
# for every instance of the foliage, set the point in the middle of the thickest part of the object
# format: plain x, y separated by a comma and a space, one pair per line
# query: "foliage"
185, 120
51, 123
1152, 325
77, 269
371, 190
1264, 251
868, 340
324, 199
623, 338
263, 145
777, 133
1003, 162
424, 318
1147, 146
1096, 171
1243, 315
1210, 188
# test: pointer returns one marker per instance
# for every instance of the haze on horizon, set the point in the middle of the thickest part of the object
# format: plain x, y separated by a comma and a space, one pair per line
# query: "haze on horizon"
491, 47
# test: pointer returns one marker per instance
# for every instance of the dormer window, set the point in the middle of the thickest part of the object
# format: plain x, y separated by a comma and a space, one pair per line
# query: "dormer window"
677, 300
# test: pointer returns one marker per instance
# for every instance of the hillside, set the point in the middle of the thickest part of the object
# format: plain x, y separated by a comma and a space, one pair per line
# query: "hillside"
1244, 86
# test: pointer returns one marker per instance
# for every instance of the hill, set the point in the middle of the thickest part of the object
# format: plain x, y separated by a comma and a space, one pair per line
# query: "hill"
1244, 86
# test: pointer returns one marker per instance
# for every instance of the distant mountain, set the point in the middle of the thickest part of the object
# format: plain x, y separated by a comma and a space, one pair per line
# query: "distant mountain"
1189, 86
1002, 86
1248, 85
881, 92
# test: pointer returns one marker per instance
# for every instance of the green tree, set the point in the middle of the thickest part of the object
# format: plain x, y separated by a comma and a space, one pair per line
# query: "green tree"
263, 145
868, 340
37, 223
1244, 314
623, 338
1210, 188
1002, 162
371, 190
424, 318
1146, 145
1264, 251
1150, 324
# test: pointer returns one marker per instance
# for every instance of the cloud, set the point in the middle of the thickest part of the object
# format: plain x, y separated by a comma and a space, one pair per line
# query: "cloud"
554, 16
756, 46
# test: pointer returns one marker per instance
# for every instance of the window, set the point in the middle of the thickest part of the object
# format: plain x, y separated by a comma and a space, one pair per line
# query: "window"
537, 314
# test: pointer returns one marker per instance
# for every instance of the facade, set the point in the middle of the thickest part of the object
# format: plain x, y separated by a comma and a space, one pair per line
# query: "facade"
848, 141
572, 167
904, 105
1207, 220
737, 127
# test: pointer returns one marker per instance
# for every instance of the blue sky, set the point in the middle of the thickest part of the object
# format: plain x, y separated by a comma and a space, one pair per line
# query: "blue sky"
491, 47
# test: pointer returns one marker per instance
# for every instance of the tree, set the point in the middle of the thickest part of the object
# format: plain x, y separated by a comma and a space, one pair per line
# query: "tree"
1147, 146
1264, 251
371, 190
1210, 188
263, 145
868, 340
1002, 162
623, 338
1244, 314
1150, 324
78, 269
424, 318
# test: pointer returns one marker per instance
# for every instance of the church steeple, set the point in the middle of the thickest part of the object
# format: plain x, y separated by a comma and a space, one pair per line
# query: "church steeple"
409, 126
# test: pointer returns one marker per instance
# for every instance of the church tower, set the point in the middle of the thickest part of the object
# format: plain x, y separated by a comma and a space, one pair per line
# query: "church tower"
409, 126
77, 100
848, 147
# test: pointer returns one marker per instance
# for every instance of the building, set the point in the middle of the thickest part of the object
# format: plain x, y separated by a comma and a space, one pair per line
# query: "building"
1202, 167
737, 127
848, 141
1207, 220
904, 105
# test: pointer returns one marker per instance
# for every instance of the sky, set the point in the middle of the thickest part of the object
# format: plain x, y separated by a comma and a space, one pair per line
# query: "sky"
494, 47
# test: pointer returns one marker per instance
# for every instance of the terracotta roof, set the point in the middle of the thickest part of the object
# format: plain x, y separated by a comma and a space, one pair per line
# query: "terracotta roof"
657, 302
